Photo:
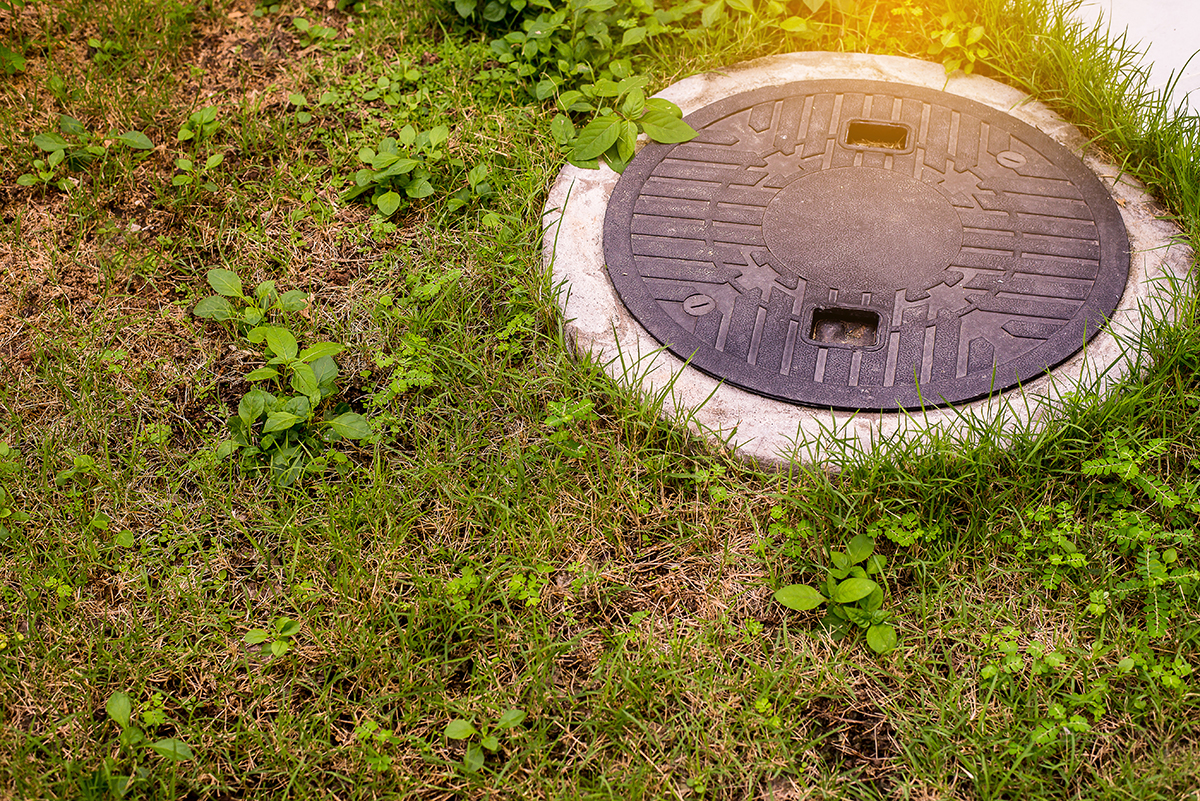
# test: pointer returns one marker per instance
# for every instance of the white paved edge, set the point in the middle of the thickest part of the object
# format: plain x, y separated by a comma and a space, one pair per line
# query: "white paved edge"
775, 433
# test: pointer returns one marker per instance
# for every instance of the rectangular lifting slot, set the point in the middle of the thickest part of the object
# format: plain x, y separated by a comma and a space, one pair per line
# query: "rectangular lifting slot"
866, 133
857, 328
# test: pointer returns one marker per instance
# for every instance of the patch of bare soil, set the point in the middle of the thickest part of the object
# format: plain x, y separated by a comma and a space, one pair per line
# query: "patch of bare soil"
857, 737
243, 54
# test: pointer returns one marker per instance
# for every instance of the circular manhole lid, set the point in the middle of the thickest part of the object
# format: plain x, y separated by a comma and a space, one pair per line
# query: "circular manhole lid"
865, 245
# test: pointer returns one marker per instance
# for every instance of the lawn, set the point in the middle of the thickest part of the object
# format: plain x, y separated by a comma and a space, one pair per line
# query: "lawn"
302, 494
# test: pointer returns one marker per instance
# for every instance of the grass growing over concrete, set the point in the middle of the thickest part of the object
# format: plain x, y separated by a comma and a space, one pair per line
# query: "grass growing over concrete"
516, 532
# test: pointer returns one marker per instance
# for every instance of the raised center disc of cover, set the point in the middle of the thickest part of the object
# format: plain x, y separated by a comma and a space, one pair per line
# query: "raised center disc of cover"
865, 245
862, 230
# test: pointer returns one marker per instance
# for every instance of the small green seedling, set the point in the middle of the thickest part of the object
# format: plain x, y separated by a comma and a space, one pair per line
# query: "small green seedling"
278, 640
133, 741
411, 365
574, 42
191, 174
526, 586
11, 61
301, 103
9, 514
46, 172
306, 369
73, 147
904, 530
461, 589
200, 125
477, 188
104, 50
82, 470
478, 740
564, 416
286, 431
310, 33
374, 739
488, 10
395, 86
853, 598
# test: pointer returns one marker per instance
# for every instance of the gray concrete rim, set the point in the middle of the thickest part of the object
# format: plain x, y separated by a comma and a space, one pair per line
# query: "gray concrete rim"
775, 433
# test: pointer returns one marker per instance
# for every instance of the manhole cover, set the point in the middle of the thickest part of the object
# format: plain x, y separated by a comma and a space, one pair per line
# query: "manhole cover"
865, 245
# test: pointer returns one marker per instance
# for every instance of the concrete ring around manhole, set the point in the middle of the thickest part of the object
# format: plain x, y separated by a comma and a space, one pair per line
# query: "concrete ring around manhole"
857, 251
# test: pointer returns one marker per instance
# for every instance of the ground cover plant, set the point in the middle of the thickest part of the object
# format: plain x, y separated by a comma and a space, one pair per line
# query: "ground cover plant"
302, 496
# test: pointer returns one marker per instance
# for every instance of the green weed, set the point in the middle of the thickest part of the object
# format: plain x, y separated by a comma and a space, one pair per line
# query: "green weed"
74, 148
292, 434
852, 597
312, 33
255, 308
200, 125
278, 640
396, 176
479, 741
132, 742
622, 112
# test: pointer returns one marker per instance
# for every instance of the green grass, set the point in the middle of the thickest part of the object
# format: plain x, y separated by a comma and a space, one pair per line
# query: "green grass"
612, 577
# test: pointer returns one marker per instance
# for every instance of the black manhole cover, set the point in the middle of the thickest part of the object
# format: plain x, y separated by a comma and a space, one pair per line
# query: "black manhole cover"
865, 245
